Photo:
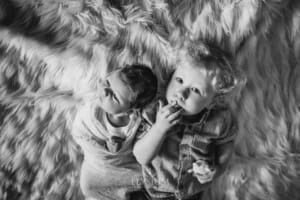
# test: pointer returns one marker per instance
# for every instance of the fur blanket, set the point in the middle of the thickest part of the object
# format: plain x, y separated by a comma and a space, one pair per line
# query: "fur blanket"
52, 52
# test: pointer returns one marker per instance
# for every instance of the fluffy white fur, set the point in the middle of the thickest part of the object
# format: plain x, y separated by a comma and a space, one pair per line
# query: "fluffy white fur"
53, 52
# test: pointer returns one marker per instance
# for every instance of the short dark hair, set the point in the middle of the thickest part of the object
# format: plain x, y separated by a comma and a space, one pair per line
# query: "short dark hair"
142, 81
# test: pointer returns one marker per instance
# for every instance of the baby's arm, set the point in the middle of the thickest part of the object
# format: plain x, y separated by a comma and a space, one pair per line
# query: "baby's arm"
146, 148
223, 147
223, 155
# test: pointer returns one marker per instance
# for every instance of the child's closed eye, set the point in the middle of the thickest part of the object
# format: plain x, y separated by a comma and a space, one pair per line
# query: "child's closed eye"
115, 97
106, 83
110, 93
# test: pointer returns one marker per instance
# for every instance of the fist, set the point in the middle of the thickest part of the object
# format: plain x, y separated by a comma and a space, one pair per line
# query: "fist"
202, 171
167, 116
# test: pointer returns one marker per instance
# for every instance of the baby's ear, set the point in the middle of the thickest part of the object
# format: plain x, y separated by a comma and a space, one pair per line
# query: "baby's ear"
226, 81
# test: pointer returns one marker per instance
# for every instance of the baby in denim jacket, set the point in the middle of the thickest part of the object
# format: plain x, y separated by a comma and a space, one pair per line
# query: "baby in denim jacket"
105, 130
186, 143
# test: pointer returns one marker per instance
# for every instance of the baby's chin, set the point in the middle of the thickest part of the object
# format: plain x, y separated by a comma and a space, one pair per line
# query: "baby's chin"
186, 113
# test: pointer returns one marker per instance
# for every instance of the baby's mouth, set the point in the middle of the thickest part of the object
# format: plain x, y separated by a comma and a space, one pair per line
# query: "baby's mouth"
175, 105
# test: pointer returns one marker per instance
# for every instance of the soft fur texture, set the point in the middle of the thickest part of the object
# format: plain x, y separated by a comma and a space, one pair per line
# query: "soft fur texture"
52, 52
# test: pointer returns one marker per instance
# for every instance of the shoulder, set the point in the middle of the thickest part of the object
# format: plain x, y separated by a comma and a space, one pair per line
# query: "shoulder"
87, 114
220, 115
219, 121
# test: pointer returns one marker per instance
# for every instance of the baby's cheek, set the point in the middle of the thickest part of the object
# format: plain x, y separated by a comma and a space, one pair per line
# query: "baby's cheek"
192, 108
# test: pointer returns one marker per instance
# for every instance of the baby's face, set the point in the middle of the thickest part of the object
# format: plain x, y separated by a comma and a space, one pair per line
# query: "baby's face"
115, 94
191, 88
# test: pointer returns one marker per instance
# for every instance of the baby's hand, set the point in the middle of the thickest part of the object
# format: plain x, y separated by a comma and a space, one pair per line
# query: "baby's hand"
202, 171
167, 116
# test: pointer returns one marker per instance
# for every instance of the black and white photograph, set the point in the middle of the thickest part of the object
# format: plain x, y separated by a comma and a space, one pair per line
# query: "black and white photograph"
149, 99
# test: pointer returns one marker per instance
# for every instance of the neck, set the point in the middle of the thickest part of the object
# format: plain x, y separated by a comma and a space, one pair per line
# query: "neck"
118, 120
196, 117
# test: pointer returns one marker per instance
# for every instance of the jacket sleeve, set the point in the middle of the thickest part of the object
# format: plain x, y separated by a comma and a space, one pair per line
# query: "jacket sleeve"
228, 129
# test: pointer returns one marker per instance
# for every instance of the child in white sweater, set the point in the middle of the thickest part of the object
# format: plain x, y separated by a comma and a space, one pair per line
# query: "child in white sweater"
105, 130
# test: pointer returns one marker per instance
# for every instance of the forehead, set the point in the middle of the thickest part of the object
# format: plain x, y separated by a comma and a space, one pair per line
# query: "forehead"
120, 86
196, 75
188, 70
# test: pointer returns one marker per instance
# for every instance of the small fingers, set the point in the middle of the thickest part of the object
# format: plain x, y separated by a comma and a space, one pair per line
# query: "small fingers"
175, 115
174, 122
160, 105
203, 178
166, 109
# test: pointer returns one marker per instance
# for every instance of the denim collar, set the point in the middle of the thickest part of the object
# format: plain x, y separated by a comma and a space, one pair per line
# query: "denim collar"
198, 119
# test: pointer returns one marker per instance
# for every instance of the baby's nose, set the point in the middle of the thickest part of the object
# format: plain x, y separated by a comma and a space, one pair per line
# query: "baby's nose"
182, 94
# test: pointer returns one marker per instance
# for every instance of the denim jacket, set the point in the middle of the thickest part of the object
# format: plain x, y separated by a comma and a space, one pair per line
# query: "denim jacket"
166, 175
